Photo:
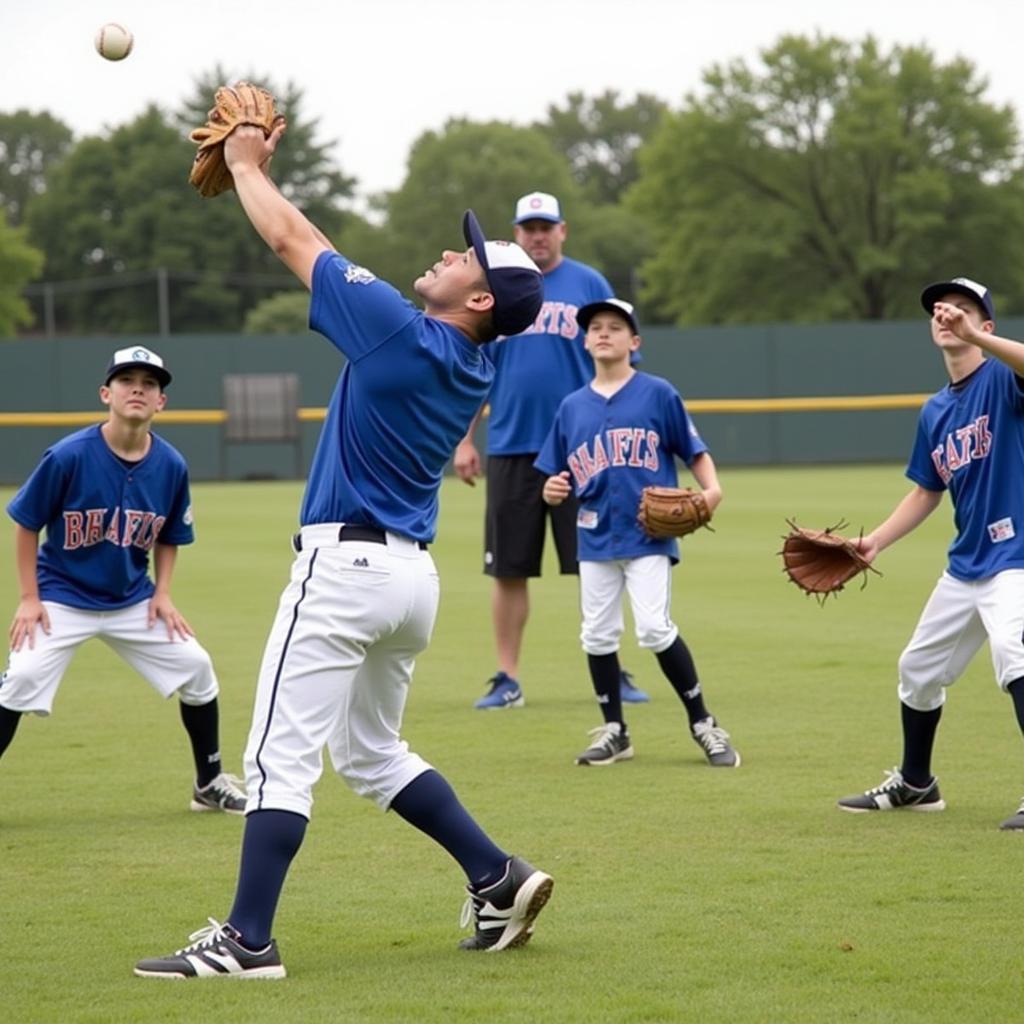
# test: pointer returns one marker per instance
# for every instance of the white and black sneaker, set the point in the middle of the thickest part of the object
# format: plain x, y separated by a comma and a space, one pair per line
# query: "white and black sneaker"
1016, 822
224, 793
215, 952
714, 741
505, 911
895, 794
611, 743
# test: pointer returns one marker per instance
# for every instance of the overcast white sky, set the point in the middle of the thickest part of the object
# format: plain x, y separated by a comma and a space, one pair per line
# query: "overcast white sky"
377, 73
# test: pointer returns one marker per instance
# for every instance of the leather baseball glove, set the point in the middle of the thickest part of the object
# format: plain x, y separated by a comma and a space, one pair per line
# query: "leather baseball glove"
242, 103
672, 511
822, 562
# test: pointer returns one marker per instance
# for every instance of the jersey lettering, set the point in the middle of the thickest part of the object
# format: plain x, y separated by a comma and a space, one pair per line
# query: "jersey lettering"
587, 461
135, 528
556, 318
962, 446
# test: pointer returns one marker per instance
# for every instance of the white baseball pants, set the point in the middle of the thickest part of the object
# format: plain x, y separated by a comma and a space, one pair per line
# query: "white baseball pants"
337, 668
648, 581
169, 665
956, 621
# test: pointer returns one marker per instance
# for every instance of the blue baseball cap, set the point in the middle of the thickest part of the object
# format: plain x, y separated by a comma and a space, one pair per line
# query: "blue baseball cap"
513, 278
961, 286
620, 306
138, 357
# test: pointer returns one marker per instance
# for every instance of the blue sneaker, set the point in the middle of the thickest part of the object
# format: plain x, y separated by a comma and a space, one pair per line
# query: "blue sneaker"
504, 692
628, 693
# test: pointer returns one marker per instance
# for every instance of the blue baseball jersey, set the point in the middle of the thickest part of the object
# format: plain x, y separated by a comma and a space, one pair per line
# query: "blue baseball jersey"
970, 441
614, 448
535, 370
102, 518
405, 398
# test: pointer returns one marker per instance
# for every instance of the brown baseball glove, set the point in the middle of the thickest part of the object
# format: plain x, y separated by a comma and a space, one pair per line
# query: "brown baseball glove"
822, 562
242, 103
672, 511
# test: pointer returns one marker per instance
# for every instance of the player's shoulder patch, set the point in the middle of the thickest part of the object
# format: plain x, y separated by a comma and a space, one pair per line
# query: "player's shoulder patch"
359, 275
187, 518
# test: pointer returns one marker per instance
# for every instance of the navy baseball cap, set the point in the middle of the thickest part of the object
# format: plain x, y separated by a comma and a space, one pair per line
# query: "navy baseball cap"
513, 278
138, 356
962, 286
538, 206
620, 306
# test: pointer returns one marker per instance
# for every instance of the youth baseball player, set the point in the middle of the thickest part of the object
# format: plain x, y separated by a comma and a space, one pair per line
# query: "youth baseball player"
534, 371
610, 440
364, 589
108, 496
970, 440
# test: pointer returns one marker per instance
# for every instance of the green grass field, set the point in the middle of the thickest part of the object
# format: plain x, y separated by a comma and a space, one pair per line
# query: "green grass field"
682, 893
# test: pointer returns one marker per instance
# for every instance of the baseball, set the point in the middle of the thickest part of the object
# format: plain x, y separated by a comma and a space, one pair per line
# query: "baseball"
113, 41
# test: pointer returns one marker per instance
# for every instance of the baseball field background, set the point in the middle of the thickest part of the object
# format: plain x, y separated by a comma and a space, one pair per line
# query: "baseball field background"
682, 893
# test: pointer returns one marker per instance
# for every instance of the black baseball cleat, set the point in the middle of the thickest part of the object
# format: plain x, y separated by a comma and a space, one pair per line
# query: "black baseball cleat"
714, 741
895, 794
215, 952
611, 743
224, 793
1016, 822
505, 911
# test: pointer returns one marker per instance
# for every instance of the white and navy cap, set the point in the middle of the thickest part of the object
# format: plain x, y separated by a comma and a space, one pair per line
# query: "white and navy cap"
962, 286
620, 306
138, 356
513, 278
538, 206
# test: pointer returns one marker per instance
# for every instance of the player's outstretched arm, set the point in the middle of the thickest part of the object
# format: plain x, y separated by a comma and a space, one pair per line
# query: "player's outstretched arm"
160, 604
280, 224
30, 611
913, 510
1006, 350
556, 488
705, 473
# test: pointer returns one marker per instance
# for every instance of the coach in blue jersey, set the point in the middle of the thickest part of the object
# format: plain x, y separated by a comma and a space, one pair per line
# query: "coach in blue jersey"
534, 371
364, 589
108, 496
970, 442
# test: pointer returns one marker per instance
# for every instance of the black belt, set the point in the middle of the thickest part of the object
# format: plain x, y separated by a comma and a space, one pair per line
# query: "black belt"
350, 531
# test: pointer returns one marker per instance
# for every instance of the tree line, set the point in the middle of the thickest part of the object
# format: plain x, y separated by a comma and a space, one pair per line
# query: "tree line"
827, 180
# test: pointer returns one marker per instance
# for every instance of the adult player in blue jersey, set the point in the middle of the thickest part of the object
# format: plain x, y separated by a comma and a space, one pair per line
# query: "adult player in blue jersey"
534, 371
610, 439
364, 589
109, 496
970, 439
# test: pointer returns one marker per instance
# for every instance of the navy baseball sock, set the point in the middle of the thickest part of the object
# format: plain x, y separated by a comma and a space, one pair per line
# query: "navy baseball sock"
430, 804
605, 674
8, 727
270, 842
1014, 689
919, 728
202, 723
677, 664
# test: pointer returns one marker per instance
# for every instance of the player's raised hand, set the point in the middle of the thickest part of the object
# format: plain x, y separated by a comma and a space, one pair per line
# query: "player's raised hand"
557, 488
27, 615
248, 145
162, 607
955, 320
467, 463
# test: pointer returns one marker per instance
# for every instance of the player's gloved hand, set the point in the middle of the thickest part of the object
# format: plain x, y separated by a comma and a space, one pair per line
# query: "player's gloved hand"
29, 613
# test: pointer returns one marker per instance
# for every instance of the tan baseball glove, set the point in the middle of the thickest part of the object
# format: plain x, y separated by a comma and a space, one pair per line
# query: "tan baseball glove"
822, 562
242, 103
672, 511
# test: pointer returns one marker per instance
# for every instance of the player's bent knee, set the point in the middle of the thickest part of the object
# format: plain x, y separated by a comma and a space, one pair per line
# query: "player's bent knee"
657, 639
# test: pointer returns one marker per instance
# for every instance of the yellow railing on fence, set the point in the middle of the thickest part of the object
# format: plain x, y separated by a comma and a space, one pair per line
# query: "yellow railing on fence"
314, 414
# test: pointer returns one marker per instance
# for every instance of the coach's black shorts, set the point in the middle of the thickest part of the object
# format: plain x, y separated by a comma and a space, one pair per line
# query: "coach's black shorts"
514, 526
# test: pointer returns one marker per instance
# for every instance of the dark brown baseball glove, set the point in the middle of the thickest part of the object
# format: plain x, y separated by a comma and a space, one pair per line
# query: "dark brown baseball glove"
822, 562
672, 511
242, 103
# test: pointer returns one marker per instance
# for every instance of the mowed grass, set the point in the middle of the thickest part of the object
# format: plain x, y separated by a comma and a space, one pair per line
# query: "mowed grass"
682, 893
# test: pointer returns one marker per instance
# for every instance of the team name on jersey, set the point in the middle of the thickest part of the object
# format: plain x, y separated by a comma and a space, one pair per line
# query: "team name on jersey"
126, 528
963, 445
620, 446
556, 318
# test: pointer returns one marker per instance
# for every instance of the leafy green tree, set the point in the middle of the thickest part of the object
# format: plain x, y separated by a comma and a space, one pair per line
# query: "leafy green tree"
482, 165
19, 263
283, 313
831, 183
600, 136
30, 146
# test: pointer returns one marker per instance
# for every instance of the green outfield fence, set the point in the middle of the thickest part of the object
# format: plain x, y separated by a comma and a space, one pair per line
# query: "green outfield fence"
759, 394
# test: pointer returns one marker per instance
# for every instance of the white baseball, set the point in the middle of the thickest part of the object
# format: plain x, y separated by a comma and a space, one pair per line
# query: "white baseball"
114, 41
